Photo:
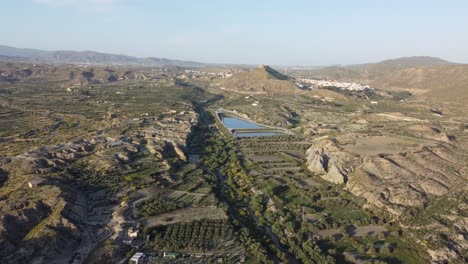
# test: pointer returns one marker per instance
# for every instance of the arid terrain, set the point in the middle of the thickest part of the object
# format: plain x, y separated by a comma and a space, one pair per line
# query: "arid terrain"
100, 162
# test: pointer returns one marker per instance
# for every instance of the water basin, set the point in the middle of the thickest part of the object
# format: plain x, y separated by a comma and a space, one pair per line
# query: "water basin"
243, 128
237, 123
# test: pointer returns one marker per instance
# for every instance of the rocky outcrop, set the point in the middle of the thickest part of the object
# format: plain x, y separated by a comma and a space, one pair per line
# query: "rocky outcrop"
396, 179
35, 230
179, 152
401, 182
432, 133
322, 159
335, 175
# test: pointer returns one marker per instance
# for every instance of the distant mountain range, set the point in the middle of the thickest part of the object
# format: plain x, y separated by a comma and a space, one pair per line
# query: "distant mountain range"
86, 57
99, 58
434, 77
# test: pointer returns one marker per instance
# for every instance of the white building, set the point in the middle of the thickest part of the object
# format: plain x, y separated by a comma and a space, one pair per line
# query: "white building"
342, 85
132, 233
136, 258
35, 182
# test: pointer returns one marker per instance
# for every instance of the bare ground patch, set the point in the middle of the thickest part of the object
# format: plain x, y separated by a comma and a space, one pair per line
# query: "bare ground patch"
362, 231
185, 215
385, 144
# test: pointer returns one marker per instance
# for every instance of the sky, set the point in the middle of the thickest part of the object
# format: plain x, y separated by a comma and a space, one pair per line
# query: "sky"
275, 32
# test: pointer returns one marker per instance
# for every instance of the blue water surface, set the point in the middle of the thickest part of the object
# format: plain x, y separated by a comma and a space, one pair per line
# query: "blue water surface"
236, 123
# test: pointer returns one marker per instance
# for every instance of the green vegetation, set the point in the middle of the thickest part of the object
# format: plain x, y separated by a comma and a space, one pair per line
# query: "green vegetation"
147, 155
156, 206
247, 211
196, 236
277, 219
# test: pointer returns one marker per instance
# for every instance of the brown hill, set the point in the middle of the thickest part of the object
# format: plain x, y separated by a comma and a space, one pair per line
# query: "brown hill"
433, 77
338, 73
263, 79
444, 83
371, 71
399, 63
68, 74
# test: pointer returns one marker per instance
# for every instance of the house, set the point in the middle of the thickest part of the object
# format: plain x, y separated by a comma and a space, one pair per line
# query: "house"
35, 182
132, 233
170, 255
136, 258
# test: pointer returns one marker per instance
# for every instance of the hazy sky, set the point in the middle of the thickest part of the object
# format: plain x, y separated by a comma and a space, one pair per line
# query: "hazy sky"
243, 31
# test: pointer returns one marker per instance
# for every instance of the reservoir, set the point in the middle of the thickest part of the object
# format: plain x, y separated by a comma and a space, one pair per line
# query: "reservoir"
243, 128
237, 123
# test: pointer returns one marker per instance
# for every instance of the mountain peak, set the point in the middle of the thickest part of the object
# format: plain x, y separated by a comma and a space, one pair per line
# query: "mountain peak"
266, 72
415, 61
263, 79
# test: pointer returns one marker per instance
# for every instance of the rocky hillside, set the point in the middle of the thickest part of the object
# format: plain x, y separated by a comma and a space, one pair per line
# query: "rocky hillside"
444, 83
263, 79
69, 157
372, 71
409, 177
68, 75
435, 78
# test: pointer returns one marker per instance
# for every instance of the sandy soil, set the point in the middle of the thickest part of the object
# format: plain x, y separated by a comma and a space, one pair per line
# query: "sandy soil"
185, 215
384, 144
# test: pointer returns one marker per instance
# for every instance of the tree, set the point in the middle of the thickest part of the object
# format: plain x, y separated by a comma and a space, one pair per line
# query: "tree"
361, 249
370, 249
385, 249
